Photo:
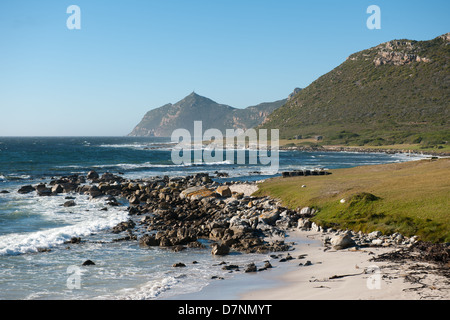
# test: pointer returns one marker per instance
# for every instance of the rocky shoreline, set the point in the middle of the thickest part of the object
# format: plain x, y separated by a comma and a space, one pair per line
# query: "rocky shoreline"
319, 148
196, 212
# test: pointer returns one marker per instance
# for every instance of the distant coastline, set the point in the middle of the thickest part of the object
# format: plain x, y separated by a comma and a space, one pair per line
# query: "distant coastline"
387, 150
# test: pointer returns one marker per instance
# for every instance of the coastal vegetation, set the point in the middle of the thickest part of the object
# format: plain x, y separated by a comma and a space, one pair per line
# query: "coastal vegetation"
395, 93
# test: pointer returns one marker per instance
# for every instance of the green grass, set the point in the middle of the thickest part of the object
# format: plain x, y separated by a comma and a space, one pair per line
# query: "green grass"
412, 198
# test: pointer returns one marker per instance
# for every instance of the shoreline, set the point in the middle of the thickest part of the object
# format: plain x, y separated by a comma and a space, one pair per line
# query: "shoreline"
351, 275
332, 275
356, 149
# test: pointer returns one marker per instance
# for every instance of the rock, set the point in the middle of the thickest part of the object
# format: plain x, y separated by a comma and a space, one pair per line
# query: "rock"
179, 265
134, 200
232, 267
342, 242
69, 187
178, 248
69, 204
374, 235
305, 211
149, 241
94, 192
26, 189
303, 224
196, 193
73, 240
217, 233
377, 242
92, 175
57, 189
270, 217
224, 191
4, 192
44, 191
88, 263
108, 177
251, 268
315, 227
220, 249
123, 226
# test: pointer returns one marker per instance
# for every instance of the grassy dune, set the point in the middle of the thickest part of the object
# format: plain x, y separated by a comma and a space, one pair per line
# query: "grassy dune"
412, 198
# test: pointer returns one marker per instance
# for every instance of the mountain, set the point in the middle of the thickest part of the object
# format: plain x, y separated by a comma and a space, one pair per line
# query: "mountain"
396, 92
161, 122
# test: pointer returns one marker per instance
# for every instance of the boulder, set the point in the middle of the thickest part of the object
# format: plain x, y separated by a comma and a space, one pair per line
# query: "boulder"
134, 200
342, 242
304, 224
220, 249
374, 235
224, 191
217, 233
92, 175
377, 242
88, 263
69, 187
149, 241
270, 217
197, 193
26, 189
57, 189
306, 211
123, 226
69, 204
94, 192
251, 268
179, 265
108, 177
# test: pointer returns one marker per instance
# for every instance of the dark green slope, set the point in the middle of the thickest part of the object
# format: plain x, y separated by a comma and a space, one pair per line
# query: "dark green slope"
397, 92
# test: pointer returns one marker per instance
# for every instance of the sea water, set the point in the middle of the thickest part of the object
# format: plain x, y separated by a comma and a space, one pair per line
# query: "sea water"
36, 260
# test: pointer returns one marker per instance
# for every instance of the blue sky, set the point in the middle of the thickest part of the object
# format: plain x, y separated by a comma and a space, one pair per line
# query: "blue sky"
133, 56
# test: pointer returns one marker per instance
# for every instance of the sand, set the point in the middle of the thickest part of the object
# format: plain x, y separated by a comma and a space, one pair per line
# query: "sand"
246, 189
350, 275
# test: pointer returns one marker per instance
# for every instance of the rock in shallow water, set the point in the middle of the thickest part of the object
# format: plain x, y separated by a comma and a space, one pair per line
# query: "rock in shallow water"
220, 249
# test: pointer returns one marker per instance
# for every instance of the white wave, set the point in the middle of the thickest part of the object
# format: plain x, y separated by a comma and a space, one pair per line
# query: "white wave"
137, 145
147, 291
13, 177
20, 243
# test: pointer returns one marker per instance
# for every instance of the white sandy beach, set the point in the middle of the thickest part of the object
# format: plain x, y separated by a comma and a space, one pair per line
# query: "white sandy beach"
350, 275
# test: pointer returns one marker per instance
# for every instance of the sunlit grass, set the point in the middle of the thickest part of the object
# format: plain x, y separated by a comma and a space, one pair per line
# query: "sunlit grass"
412, 198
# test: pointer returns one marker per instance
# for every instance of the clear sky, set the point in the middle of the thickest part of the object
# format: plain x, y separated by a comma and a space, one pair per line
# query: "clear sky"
135, 55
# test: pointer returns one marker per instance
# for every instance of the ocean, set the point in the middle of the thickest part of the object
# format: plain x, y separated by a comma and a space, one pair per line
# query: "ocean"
36, 262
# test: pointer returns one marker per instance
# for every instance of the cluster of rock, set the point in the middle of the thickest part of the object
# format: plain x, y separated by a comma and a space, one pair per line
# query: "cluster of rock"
181, 212
343, 239
299, 173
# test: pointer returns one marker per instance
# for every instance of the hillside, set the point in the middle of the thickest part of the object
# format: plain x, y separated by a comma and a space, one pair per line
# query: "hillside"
397, 92
161, 122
